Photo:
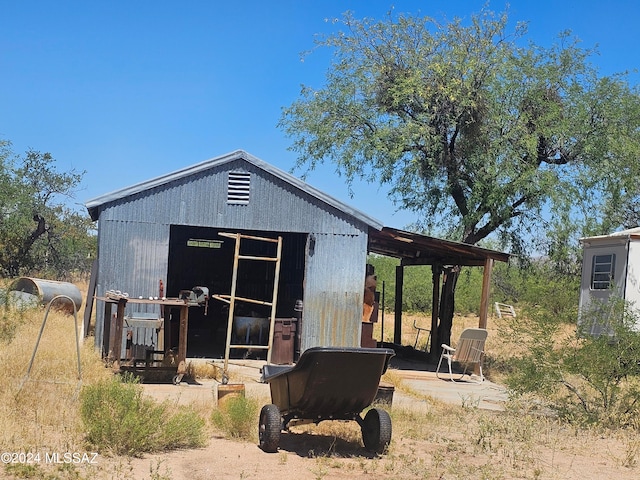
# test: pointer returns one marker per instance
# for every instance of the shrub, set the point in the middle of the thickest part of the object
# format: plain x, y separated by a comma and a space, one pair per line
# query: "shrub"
119, 419
469, 291
586, 379
538, 285
237, 417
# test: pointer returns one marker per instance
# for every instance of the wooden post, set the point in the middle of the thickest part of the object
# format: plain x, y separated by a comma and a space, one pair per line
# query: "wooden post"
91, 291
397, 330
486, 287
182, 340
166, 314
106, 331
232, 305
435, 308
274, 299
117, 343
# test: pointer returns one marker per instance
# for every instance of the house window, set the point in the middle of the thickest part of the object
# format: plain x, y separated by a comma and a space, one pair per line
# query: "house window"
238, 188
602, 271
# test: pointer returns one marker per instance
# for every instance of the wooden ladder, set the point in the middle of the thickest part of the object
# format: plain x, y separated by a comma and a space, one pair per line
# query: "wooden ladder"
233, 298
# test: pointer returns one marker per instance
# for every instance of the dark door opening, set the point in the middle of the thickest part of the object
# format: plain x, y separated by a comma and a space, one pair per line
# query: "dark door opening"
198, 256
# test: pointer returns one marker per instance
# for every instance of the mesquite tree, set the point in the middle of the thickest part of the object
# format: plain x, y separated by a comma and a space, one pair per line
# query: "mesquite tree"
476, 130
39, 232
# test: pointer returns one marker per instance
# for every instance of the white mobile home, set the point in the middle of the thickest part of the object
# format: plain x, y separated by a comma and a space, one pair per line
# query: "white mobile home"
610, 268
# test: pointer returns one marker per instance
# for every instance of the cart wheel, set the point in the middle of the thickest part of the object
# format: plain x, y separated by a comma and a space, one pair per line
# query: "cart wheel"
269, 428
376, 430
177, 379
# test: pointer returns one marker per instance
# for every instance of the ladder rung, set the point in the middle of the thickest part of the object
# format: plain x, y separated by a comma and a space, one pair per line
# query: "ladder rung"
251, 347
250, 257
224, 298
251, 237
227, 298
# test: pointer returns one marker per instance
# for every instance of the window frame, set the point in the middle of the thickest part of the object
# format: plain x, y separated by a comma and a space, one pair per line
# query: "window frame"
602, 271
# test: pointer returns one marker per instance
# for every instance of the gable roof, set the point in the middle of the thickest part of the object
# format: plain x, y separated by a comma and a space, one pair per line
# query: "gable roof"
93, 205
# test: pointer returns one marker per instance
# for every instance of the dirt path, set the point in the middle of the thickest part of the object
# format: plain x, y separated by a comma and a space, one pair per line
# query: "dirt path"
313, 455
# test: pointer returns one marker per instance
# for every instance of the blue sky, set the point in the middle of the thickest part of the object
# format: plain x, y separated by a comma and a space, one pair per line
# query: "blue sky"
132, 89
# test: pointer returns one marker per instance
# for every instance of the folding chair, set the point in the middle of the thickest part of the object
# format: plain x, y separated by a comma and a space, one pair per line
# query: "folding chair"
469, 351
419, 331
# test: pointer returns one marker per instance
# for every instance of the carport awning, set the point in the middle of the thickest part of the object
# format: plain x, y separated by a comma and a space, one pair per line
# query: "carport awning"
417, 249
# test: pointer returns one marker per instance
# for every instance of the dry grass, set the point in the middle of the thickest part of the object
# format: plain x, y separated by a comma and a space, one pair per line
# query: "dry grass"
423, 320
431, 440
442, 441
40, 412
34, 412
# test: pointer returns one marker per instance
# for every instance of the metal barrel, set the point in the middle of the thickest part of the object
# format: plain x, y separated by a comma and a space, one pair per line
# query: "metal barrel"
46, 290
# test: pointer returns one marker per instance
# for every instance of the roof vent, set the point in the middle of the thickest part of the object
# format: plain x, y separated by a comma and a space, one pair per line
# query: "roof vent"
238, 188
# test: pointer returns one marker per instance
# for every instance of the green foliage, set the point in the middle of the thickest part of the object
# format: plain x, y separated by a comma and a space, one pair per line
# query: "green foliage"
473, 127
538, 284
117, 418
469, 291
237, 417
417, 292
38, 233
586, 379
541, 285
417, 289
9, 323
66, 471
12, 315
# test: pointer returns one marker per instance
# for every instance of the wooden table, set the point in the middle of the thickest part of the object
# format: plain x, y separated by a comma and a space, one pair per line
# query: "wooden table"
115, 351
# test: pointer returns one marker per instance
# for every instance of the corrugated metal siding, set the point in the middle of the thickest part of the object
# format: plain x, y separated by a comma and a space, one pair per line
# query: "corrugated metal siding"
334, 285
134, 243
132, 258
202, 200
95, 205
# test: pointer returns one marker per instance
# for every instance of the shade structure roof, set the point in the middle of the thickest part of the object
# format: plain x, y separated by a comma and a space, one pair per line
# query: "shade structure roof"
417, 249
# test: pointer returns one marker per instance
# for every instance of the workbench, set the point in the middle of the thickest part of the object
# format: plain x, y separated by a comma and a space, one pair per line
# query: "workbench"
114, 352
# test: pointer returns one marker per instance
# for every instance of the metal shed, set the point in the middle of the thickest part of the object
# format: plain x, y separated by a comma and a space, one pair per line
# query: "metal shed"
162, 236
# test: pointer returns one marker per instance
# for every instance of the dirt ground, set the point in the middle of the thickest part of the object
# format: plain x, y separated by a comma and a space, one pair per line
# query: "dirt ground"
431, 454
300, 457
315, 455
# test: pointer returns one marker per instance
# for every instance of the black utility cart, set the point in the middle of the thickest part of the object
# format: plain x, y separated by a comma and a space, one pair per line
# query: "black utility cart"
327, 383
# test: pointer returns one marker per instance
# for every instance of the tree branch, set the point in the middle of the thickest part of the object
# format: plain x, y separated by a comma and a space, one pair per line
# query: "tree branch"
574, 390
494, 222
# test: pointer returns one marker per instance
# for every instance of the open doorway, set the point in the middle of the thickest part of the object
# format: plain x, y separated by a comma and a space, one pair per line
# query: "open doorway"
198, 256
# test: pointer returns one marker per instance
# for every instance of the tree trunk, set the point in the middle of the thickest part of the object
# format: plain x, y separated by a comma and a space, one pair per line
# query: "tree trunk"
447, 306
18, 262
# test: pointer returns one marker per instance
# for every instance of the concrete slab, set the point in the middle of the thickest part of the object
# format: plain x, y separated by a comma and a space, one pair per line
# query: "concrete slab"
421, 378
416, 376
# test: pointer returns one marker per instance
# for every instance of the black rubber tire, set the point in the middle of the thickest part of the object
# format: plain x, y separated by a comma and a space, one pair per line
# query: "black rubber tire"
376, 430
270, 428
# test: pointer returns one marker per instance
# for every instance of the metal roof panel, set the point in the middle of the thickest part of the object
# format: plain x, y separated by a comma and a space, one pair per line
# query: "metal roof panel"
93, 205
